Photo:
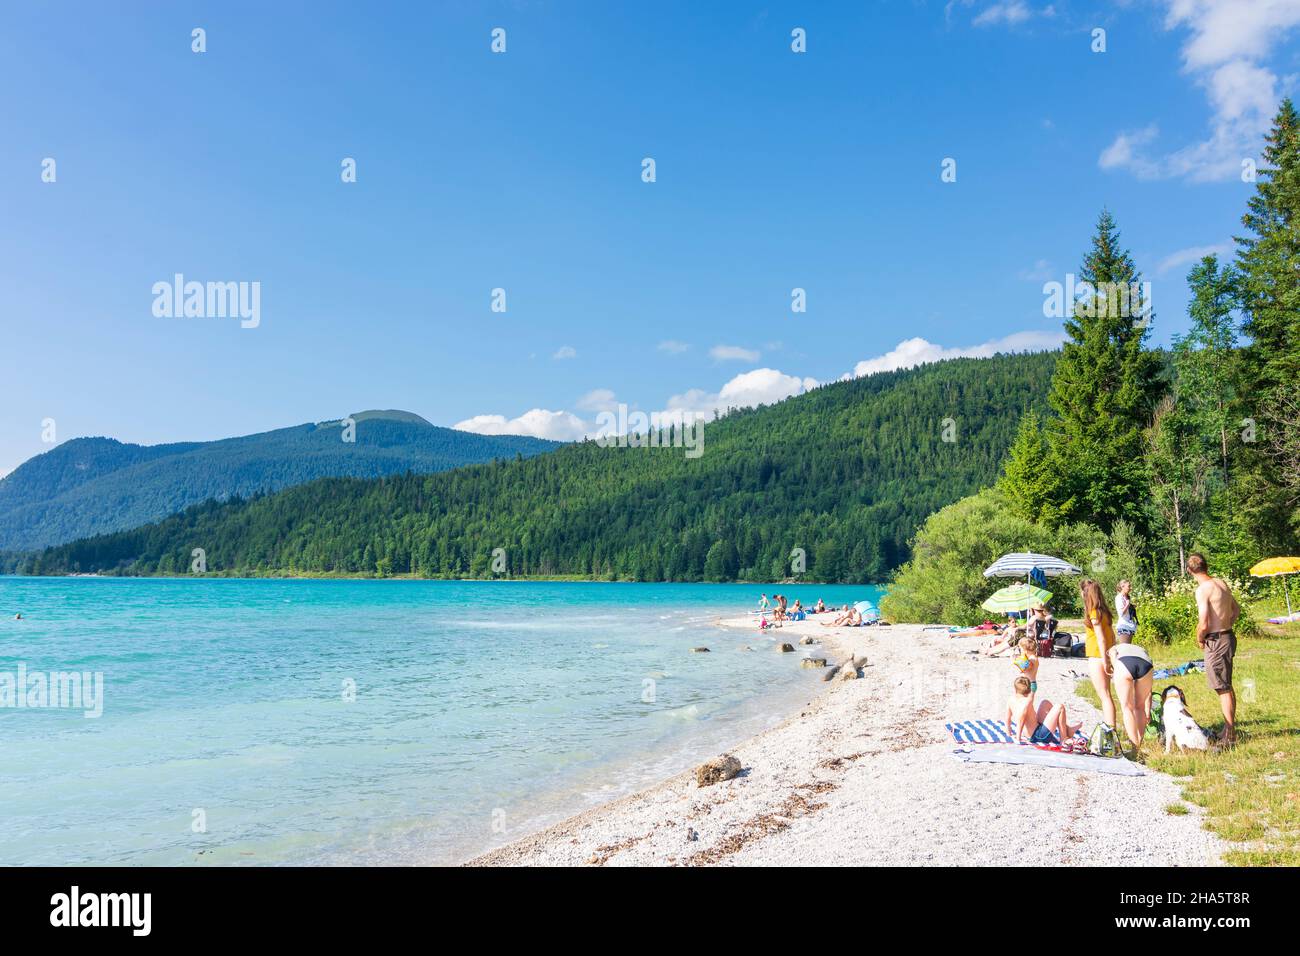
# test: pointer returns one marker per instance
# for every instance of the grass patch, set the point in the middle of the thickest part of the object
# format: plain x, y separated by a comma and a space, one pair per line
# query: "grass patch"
1177, 810
1251, 793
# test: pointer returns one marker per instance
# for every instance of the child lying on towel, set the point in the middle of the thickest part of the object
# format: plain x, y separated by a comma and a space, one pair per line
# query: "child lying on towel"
1045, 724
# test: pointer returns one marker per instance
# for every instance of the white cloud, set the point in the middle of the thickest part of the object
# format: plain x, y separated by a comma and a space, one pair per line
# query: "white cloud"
672, 346
598, 399
1228, 38
733, 353
1010, 12
762, 386
1041, 271
918, 351
1186, 257
538, 422
565, 352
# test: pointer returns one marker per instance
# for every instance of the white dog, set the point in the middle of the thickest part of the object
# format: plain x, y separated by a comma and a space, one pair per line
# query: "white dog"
1179, 726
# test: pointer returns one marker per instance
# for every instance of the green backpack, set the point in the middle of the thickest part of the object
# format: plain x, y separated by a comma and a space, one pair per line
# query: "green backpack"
1104, 742
1153, 728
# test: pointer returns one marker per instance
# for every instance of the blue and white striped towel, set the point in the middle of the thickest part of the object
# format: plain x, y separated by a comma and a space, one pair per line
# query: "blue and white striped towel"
982, 732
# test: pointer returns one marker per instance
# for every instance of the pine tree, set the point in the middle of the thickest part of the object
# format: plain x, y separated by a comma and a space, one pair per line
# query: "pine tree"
1022, 480
1103, 392
1205, 358
1269, 259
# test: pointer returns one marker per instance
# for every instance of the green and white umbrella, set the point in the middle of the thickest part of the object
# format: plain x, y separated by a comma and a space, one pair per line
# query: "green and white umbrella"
1016, 597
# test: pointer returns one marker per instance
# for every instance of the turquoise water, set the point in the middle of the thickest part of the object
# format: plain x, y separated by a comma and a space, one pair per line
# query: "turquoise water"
482, 711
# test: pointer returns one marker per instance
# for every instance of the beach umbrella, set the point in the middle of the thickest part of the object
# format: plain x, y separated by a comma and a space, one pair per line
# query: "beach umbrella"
1278, 567
864, 606
1016, 597
1022, 562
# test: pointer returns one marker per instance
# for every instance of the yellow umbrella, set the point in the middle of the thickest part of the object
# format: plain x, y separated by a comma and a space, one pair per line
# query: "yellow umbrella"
1275, 567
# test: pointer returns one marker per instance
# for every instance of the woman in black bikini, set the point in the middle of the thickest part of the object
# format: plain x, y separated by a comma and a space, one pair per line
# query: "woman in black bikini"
1132, 680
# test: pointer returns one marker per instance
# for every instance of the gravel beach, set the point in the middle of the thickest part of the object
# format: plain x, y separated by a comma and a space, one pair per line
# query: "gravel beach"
865, 774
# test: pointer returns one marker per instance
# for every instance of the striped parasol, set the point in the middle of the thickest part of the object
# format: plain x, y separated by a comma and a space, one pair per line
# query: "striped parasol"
1022, 562
1016, 597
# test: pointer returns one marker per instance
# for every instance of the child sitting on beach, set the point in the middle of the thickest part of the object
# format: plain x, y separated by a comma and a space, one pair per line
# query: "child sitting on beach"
1027, 662
1045, 724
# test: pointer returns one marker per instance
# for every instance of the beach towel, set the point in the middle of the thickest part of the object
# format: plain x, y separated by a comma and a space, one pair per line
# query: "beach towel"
983, 732
1033, 756
1285, 619
1182, 669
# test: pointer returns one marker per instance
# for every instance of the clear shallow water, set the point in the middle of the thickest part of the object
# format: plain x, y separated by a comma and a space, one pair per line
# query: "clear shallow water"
482, 711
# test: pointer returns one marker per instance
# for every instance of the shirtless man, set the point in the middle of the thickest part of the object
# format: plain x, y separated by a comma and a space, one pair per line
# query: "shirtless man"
1218, 611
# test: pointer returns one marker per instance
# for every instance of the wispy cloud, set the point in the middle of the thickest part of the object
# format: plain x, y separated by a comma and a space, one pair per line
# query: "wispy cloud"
565, 352
733, 353
1227, 41
1186, 257
672, 346
1010, 13
1041, 271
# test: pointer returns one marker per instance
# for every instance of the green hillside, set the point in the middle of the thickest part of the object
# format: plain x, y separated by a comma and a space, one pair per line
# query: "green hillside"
91, 486
846, 472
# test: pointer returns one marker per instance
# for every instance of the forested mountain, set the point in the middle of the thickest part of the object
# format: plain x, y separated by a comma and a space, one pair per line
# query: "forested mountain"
89, 486
845, 472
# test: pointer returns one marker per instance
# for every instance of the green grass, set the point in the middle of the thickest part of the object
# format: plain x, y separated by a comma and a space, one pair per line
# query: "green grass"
1251, 793
1177, 810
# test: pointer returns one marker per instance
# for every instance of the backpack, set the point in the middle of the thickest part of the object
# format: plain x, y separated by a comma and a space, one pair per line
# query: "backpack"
1104, 742
1153, 728
1062, 643
1045, 647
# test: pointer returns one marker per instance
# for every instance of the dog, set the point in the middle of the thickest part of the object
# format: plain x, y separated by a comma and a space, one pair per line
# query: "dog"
1179, 726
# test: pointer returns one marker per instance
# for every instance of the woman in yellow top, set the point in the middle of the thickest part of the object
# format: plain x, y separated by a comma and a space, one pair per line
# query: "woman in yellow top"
1100, 633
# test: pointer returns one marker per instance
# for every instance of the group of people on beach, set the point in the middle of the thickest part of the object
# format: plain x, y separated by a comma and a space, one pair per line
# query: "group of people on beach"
783, 611
1115, 662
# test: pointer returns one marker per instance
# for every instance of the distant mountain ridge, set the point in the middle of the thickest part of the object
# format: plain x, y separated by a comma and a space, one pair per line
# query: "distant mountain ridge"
89, 486
829, 485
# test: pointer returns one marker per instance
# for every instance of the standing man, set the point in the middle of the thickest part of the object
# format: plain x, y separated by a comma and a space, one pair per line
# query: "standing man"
1218, 612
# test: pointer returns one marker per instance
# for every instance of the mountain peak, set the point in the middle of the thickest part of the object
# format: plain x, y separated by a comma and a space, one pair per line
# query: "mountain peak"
392, 414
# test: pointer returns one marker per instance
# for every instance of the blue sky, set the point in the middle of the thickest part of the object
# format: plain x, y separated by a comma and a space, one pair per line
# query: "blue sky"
523, 171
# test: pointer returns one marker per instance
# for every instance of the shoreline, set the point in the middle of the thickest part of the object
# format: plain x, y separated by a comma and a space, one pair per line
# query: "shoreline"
864, 773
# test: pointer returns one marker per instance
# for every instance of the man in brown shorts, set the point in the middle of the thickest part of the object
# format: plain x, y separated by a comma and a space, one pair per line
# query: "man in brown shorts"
1218, 612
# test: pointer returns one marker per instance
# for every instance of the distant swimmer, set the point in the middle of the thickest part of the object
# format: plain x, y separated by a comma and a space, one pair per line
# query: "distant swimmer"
18, 616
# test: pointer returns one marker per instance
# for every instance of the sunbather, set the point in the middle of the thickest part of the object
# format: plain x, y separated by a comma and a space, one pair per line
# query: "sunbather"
1041, 724
850, 618
1007, 638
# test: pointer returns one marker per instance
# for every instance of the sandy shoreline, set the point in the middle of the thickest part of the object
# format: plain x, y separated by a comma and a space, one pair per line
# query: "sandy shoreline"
865, 774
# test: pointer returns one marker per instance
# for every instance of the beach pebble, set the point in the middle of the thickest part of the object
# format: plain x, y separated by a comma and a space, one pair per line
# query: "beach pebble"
848, 672
716, 770
811, 662
785, 648
807, 640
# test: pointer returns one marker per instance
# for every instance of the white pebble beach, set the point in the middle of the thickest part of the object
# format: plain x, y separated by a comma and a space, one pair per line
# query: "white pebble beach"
865, 773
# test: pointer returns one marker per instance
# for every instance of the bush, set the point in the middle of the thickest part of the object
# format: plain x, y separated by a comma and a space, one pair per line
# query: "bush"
1170, 616
945, 580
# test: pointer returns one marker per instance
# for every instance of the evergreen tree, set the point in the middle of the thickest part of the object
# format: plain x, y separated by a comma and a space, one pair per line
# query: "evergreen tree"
1269, 258
1205, 359
1104, 391
1022, 483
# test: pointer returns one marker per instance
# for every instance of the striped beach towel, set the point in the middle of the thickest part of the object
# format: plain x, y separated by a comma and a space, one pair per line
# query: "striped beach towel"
987, 731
